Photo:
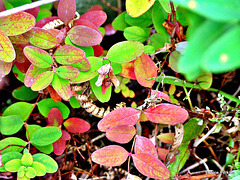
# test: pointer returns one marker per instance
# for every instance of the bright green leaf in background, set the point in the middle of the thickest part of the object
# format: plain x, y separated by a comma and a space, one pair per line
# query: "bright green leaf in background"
135, 33
24, 93
10, 124
119, 22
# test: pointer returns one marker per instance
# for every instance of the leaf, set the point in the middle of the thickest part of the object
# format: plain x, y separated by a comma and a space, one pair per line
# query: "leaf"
62, 87
166, 137
45, 105
226, 57
67, 72
125, 51
166, 5
8, 157
22, 109
7, 52
42, 81
39, 168
150, 166
69, 54
145, 145
162, 153
76, 125
12, 141
119, 22
142, 21
128, 70
41, 38
161, 95
145, 68
46, 135
55, 117
27, 159
74, 103
135, 33
59, 147
121, 116
66, 10
38, 57
84, 36
13, 165
24, 93
112, 155
136, 8
205, 80
47, 161
5, 68
121, 134
85, 22
96, 17
217, 10
10, 124
166, 113
158, 40
17, 23
173, 60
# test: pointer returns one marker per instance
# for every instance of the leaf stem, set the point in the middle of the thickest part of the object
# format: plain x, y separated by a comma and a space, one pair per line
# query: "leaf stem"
188, 97
174, 25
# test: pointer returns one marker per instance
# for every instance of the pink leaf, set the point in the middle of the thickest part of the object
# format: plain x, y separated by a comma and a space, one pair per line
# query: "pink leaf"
109, 30
150, 166
162, 95
85, 22
166, 137
145, 145
121, 116
121, 134
55, 117
59, 147
44, 21
65, 136
145, 68
76, 125
66, 10
166, 114
96, 8
96, 17
112, 155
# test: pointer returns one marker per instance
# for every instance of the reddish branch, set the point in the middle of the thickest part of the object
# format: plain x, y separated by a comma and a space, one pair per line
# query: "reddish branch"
174, 26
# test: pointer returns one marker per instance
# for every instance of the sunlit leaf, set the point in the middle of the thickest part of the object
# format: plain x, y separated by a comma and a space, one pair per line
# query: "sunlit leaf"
39, 168
84, 36
119, 22
41, 38
18, 39
42, 81
8, 157
145, 145
76, 125
125, 51
66, 10
10, 141
96, 17
62, 87
69, 54
7, 52
5, 68
10, 124
38, 57
50, 164
112, 155
55, 117
150, 166
17, 23
67, 72
121, 134
145, 68
166, 114
135, 33
13, 165
166, 137
121, 116
136, 8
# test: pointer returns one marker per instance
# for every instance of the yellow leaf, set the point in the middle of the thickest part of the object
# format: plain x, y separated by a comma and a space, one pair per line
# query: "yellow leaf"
136, 8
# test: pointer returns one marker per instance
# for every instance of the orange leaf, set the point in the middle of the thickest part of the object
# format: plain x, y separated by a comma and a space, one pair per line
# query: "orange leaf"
76, 125
166, 137
112, 155
150, 166
128, 70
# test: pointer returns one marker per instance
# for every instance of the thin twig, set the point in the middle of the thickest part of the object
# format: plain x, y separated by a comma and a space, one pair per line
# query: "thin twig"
174, 25
25, 7
194, 166
108, 4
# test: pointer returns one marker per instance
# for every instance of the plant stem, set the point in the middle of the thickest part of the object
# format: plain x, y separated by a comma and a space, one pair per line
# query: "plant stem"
174, 25
188, 97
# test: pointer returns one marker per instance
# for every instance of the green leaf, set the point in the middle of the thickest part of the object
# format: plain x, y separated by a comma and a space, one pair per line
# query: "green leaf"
43, 13
17, 23
158, 41
205, 80
223, 58
13, 165
74, 102
21, 171
39, 168
98, 91
117, 68
135, 33
47, 161
217, 10
8, 157
24, 93
67, 72
18, 74
38, 57
42, 81
119, 22
7, 52
45, 149
27, 159
173, 60
45, 105
22, 109
12, 141
144, 20
125, 51
62, 87
30, 173
166, 5
46, 135
10, 124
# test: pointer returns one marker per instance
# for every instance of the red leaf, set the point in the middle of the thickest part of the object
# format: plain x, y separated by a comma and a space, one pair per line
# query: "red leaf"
112, 155
121, 134
95, 8
150, 166
85, 22
84, 36
59, 147
65, 136
128, 70
96, 17
33, 11
23, 66
121, 116
76, 125
162, 95
53, 94
145, 68
166, 114
44, 21
59, 35
98, 50
66, 10
162, 153
145, 145
166, 137
55, 117
109, 30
